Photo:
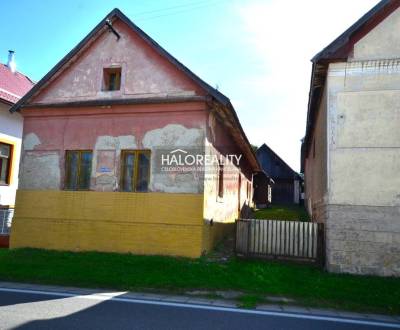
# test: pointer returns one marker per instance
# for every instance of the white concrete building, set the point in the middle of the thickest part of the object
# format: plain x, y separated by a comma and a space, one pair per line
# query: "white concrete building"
351, 151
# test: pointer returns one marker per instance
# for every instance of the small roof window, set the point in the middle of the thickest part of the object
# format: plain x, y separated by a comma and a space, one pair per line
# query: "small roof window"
111, 79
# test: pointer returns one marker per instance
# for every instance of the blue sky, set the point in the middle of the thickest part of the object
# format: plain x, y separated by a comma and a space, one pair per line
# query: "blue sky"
257, 51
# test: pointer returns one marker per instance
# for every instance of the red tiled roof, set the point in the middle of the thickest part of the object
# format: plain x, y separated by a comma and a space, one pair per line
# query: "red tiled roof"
13, 85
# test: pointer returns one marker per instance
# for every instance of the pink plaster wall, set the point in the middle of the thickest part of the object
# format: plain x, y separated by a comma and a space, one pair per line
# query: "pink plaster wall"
237, 197
144, 74
144, 71
79, 128
61, 129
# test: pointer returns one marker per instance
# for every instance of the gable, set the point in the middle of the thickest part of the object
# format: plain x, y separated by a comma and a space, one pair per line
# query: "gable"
272, 164
144, 72
382, 42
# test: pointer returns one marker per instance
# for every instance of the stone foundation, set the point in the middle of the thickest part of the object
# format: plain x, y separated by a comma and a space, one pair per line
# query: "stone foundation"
363, 240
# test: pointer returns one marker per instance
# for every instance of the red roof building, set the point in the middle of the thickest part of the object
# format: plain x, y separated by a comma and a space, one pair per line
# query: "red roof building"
13, 85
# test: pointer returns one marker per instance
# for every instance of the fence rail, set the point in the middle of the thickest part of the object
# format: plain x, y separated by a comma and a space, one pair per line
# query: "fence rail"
6, 216
280, 239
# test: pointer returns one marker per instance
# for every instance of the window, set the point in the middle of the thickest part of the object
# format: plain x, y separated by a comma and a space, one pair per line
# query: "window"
135, 170
5, 163
78, 166
111, 79
220, 180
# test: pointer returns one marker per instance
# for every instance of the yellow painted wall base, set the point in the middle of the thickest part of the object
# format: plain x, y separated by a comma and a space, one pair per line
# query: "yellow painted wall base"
212, 234
140, 223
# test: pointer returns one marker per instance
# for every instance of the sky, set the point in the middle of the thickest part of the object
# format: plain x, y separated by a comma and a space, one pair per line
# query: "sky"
257, 52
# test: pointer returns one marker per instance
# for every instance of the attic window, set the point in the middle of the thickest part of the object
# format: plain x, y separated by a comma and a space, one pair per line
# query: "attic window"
111, 79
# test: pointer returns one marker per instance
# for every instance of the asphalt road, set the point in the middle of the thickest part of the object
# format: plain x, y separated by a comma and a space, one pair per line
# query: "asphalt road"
46, 310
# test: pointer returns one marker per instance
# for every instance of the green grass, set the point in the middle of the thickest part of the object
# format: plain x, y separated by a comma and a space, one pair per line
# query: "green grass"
306, 284
250, 300
283, 212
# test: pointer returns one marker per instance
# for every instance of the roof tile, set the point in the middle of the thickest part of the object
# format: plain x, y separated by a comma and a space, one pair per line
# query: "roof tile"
13, 85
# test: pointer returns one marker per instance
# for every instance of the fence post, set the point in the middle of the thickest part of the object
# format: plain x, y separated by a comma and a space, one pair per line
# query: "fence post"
248, 225
236, 235
321, 245
2, 220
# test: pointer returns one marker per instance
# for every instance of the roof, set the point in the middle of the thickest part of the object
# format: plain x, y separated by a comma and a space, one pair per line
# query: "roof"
341, 46
267, 148
116, 13
339, 50
13, 85
104, 25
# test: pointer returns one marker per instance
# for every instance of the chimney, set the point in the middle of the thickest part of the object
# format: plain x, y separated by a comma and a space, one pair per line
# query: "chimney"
11, 61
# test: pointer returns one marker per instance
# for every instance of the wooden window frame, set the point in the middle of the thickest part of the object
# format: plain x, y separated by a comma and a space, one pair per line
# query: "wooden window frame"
10, 164
107, 71
80, 152
135, 152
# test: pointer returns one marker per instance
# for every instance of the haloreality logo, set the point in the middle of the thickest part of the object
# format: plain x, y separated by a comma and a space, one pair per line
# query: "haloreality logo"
181, 157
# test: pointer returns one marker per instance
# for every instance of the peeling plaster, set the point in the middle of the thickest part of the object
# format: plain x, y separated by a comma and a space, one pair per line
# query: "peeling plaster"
40, 171
104, 147
31, 140
174, 135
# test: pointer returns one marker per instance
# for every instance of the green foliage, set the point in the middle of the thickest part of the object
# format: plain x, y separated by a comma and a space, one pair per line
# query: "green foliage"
306, 284
249, 301
283, 212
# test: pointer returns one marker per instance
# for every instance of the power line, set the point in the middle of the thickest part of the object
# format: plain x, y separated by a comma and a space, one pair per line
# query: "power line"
144, 13
200, 5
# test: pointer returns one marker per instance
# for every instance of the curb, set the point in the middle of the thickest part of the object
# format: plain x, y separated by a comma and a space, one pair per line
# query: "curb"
190, 300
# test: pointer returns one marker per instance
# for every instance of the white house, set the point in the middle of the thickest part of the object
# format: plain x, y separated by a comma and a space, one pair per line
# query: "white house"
13, 85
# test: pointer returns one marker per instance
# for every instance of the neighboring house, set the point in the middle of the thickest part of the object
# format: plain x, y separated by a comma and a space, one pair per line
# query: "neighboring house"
262, 184
351, 151
96, 129
13, 85
287, 183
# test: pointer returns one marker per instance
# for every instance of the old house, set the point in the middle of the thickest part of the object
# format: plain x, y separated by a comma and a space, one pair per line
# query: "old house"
113, 138
13, 85
287, 182
351, 150
262, 187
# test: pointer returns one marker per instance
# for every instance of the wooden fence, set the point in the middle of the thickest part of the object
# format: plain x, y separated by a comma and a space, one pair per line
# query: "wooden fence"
293, 240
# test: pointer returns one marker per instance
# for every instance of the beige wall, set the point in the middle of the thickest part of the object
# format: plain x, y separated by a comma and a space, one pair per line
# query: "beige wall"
316, 165
365, 135
363, 227
382, 42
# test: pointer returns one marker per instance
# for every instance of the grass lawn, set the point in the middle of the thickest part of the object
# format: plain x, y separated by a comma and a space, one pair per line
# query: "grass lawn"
283, 212
306, 284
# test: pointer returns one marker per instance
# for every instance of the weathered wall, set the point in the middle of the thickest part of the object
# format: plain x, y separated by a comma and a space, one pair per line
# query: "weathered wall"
363, 233
382, 42
316, 166
140, 223
237, 197
363, 226
144, 72
48, 133
11, 133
